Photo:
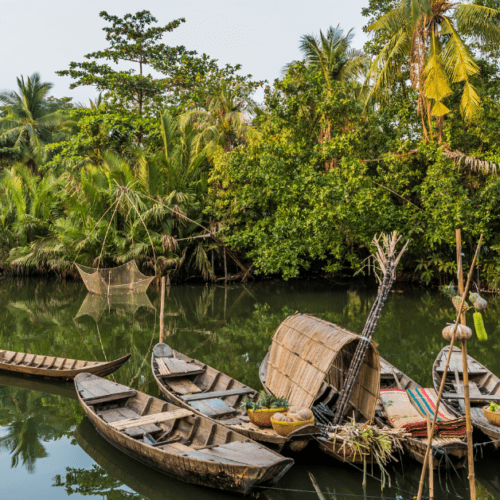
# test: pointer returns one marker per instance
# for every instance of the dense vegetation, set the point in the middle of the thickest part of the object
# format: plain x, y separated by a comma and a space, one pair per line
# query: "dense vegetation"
171, 169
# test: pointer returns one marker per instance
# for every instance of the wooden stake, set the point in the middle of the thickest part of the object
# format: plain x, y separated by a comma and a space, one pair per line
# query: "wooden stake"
465, 369
213, 266
162, 307
431, 467
441, 387
225, 266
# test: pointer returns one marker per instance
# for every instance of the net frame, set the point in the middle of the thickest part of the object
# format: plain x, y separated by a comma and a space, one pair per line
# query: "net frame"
123, 279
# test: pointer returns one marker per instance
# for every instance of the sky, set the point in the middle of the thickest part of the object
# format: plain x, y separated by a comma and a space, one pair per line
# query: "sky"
262, 35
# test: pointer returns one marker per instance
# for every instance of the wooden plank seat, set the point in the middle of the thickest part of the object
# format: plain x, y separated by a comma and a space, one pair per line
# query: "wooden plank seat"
172, 367
474, 368
182, 386
217, 394
155, 418
213, 408
473, 399
119, 414
100, 391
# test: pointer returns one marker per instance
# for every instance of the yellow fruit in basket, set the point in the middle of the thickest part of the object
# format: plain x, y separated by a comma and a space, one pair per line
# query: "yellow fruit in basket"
294, 409
305, 414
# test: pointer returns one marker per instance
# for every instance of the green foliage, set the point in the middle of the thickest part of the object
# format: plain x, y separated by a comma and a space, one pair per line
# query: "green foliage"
265, 402
175, 149
31, 120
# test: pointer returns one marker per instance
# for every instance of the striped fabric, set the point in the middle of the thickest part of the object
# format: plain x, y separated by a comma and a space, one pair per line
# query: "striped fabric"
425, 402
409, 410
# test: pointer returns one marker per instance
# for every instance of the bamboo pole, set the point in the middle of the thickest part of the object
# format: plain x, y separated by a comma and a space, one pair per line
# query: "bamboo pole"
431, 467
162, 307
441, 388
465, 369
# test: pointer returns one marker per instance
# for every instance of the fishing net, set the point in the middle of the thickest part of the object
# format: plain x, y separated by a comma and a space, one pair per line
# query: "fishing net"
96, 305
115, 281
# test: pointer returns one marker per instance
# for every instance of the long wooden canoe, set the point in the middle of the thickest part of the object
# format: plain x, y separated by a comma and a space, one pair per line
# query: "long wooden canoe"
191, 384
446, 451
176, 441
54, 367
484, 387
143, 480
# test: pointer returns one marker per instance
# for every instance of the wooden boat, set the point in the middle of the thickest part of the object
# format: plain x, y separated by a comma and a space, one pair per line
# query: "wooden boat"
446, 451
191, 384
176, 441
143, 480
484, 387
55, 368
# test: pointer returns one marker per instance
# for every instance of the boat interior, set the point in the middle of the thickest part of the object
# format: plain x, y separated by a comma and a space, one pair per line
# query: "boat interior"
167, 427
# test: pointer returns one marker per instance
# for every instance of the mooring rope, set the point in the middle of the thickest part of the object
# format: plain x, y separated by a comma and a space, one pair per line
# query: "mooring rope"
336, 495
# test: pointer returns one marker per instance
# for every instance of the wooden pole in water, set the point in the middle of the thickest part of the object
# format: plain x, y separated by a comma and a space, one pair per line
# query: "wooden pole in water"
465, 369
162, 307
445, 371
431, 465
225, 266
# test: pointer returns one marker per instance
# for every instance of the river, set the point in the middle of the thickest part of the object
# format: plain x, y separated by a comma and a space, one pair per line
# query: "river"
48, 450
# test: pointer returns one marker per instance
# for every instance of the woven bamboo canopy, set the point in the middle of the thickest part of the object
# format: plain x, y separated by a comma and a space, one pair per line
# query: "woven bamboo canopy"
306, 351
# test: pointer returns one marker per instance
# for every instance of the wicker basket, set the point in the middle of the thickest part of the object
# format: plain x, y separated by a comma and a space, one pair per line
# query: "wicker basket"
493, 417
285, 428
262, 418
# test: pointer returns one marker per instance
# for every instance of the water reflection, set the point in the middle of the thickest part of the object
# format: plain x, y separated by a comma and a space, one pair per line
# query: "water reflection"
228, 328
29, 419
96, 305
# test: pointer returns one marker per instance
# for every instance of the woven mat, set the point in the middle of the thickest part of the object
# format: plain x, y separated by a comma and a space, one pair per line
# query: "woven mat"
425, 402
401, 413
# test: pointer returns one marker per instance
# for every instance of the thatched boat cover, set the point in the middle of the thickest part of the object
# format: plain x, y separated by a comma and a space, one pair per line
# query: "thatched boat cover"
113, 281
307, 350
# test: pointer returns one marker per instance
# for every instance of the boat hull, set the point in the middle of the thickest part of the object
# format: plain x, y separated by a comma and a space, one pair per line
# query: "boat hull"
222, 475
294, 442
97, 368
482, 379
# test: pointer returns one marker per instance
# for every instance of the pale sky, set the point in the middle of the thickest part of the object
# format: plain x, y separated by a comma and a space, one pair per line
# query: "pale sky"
46, 35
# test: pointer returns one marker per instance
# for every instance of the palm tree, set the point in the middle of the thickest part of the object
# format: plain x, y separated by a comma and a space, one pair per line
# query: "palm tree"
225, 120
332, 56
29, 124
430, 37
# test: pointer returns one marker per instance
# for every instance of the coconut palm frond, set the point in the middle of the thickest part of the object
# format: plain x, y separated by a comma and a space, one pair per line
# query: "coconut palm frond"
479, 22
475, 164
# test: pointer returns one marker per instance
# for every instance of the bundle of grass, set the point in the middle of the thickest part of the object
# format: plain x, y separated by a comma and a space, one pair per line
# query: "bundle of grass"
369, 442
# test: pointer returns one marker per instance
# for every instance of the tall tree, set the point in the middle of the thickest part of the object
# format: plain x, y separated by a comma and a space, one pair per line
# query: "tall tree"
431, 36
331, 55
132, 39
225, 117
